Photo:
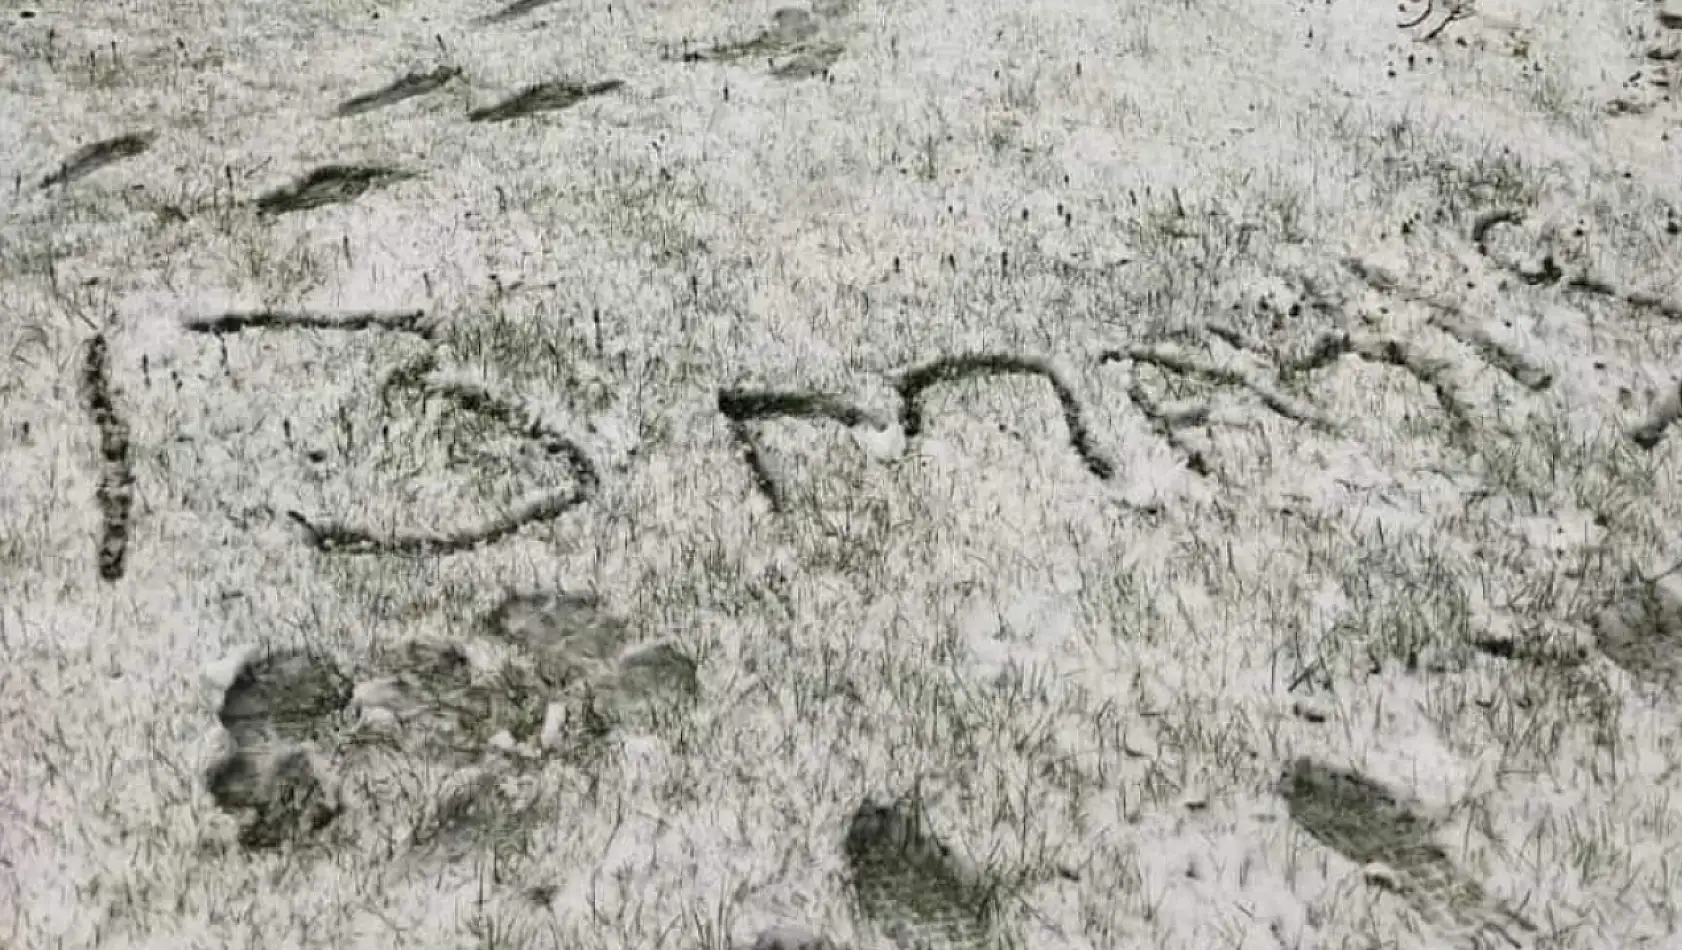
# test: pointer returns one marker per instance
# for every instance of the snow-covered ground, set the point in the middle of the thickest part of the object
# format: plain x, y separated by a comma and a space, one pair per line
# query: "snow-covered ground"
1217, 458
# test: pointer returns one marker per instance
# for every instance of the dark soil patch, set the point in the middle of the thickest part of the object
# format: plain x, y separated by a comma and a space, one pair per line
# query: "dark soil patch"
445, 664
90, 158
425, 714
329, 184
275, 709
452, 717
475, 812
573, 642
543, 97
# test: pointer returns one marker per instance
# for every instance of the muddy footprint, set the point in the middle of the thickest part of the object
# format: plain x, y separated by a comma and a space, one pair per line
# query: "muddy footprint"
542, 97
329, 184
91, 158
910, 884
288, 696
408, 87
276, 794
1372, 826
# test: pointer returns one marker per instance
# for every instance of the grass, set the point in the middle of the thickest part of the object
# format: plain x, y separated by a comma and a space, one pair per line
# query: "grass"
1319, 600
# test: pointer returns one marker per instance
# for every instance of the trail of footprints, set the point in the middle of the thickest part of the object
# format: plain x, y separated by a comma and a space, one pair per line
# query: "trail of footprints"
313, 750
793, 44
311, 747
305, 735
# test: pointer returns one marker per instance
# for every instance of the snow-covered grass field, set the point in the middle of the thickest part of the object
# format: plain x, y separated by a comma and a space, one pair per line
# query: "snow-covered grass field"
641, 474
